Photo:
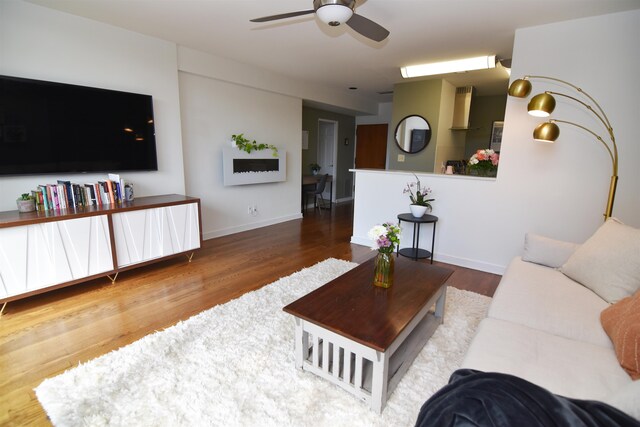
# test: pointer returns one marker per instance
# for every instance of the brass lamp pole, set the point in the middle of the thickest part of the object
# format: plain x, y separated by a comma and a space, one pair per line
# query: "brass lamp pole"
543, 104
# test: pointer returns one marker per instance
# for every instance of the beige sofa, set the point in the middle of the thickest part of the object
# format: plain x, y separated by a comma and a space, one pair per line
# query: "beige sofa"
546, 328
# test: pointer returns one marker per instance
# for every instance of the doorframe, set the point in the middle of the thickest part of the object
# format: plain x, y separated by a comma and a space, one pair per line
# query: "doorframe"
334, 175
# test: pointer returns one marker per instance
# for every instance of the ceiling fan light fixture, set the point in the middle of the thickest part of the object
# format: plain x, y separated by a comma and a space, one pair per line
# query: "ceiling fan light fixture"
334, 14
446, 67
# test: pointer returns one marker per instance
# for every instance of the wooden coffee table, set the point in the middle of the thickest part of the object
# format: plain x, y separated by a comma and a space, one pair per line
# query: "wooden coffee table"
364, 338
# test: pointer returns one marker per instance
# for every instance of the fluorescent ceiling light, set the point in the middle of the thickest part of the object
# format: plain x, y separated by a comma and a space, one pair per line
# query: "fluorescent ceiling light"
459, 65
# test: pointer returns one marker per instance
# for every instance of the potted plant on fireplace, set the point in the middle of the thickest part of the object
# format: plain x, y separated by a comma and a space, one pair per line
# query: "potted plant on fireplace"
26, 203
247, 145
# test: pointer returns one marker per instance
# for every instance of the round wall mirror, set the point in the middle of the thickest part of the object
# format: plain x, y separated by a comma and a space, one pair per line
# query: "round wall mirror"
413, 134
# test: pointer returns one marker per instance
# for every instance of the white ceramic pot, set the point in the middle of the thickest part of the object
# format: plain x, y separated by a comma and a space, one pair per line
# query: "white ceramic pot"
26, 205
417, 210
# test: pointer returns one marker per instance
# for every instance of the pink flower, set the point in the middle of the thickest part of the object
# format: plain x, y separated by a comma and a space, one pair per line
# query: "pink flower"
480, 155
495, 157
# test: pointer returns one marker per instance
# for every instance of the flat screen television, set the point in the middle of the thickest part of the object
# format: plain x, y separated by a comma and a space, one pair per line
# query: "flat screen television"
57, 128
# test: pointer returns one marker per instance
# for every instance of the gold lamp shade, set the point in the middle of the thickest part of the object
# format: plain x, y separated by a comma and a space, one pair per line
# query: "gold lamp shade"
546, 132
520, 88
541, 105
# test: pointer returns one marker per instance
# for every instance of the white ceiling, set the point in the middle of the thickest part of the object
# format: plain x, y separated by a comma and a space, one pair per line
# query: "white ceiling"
308, 50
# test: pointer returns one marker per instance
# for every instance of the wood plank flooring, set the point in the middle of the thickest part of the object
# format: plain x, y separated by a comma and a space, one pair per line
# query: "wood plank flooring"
44, 335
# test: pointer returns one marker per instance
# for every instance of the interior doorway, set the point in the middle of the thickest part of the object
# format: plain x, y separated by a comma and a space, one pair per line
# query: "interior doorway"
327, 152
371, 146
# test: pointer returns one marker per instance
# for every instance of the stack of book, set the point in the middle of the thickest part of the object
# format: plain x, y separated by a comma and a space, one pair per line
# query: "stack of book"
69, 195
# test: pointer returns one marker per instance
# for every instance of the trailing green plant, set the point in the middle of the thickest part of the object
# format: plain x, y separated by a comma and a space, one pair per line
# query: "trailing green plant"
247, 145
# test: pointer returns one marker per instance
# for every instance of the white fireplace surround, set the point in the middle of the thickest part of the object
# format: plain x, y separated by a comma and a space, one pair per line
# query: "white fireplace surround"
233, 176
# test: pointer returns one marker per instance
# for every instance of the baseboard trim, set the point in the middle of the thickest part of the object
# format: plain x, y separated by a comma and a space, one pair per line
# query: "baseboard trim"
449, 259
246, 227
470, 263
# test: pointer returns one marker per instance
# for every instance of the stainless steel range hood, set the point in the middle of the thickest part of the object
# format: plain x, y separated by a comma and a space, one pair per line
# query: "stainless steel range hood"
462, 108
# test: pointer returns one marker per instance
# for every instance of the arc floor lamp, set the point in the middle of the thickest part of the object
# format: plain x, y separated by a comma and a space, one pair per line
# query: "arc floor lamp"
543, 104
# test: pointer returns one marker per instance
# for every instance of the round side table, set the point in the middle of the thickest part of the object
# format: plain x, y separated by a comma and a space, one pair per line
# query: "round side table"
414, 251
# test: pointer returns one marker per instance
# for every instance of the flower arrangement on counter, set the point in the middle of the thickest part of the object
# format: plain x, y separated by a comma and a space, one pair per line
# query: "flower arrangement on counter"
484, 162
419, 196
385, 237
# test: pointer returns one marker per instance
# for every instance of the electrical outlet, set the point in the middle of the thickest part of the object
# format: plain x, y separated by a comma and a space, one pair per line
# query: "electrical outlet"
401, 157
250, 210
255, 210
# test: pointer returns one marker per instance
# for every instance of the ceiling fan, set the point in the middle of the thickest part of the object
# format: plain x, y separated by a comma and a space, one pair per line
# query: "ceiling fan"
334, 13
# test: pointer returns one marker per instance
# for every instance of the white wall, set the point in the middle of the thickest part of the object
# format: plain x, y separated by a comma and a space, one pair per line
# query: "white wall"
558, 190
195, 62
212, 111
43, 44
383, 115
221, 97
571, 177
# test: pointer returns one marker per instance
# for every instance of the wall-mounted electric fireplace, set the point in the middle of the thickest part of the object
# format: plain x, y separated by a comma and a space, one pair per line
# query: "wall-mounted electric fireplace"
257, 167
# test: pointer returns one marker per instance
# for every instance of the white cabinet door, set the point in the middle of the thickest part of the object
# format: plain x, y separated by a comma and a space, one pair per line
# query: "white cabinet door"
40, 255
147, 234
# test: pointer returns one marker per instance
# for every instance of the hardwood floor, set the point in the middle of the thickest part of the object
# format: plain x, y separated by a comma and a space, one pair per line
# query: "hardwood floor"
44, 335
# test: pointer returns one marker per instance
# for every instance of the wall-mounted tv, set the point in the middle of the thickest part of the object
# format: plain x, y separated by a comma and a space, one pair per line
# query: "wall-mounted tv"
57, 128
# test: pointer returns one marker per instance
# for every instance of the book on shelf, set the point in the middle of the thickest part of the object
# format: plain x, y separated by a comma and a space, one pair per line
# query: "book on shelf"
65, 194
91, 195
42, 189
110, 191
119, 186
104, 197
69, 199
37, 197
54, 196
78, 195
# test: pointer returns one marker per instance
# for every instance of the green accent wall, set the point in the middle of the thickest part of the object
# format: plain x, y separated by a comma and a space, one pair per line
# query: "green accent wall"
424, 99
343, 186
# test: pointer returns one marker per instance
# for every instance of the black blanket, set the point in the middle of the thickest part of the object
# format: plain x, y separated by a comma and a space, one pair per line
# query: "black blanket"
474, 398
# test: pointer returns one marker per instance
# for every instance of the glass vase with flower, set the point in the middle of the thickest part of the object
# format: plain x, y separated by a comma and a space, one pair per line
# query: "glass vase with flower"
386, 237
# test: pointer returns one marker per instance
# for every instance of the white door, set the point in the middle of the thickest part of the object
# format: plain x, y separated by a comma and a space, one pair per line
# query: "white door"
327, 140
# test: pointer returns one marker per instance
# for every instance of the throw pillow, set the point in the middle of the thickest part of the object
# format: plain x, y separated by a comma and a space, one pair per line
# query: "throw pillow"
608, 263
621, 322
546, 251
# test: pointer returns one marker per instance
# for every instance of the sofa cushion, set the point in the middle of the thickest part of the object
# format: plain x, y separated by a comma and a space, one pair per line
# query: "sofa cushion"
546, 251
627, 399
608, 263
543, 298
621, 322
563, 366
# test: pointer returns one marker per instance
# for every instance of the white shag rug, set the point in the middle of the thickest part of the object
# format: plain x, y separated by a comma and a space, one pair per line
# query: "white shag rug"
233, 365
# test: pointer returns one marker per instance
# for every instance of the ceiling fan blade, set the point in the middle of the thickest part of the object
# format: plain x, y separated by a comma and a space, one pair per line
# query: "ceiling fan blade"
367, 28
283, 16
